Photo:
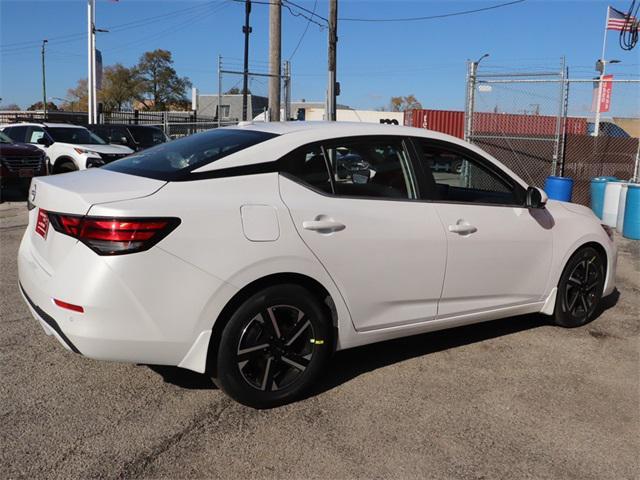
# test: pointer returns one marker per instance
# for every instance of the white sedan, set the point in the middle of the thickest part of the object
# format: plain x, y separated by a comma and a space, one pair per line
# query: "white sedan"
253, 253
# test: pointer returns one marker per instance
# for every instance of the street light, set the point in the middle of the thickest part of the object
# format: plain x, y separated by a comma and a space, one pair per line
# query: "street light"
600, 67
44, 84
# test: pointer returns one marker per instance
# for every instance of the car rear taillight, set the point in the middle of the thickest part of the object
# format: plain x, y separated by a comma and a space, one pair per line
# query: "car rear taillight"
114, 236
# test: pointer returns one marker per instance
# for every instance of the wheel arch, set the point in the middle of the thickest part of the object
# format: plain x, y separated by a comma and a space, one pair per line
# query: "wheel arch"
598, 246
312, 285
55, 165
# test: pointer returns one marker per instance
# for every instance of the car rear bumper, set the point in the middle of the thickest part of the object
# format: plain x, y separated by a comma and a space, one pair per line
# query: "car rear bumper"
48, 323
130, 314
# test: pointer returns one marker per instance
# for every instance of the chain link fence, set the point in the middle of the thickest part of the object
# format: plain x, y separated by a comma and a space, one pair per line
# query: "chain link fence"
542, 123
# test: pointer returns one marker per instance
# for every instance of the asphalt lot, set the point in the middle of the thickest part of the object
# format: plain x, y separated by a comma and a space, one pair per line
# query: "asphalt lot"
515, 398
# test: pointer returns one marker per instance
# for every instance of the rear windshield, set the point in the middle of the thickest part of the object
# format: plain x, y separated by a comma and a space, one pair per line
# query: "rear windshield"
173, 160
75, 136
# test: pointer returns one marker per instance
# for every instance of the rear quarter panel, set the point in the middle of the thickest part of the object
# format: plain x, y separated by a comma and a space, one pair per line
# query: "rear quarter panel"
211, 239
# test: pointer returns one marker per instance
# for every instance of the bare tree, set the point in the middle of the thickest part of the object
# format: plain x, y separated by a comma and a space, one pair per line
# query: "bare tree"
400, 104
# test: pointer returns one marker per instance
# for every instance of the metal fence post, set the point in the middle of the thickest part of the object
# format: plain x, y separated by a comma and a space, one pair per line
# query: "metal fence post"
559, 120
468, 110
468, 115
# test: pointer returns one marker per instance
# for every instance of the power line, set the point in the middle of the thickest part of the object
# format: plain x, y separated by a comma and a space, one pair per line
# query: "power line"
310, 12
190, 21
73, 37
291, 11
431, 17
306, 28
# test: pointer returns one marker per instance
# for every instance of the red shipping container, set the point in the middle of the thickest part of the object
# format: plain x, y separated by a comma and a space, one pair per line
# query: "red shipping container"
444, 121
452, 123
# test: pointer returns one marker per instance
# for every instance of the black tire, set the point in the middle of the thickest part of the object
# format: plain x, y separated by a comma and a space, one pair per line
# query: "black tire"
65, 167
580, 288
274, 347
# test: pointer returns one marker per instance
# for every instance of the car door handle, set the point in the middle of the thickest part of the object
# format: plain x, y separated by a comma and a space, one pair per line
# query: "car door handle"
462, 228
323, 226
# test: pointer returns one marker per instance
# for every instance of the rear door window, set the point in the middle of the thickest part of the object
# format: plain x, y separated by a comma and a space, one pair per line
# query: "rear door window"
370, 167
175, 160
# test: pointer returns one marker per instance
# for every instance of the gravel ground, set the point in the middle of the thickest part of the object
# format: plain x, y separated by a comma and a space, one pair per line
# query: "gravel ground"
515, 398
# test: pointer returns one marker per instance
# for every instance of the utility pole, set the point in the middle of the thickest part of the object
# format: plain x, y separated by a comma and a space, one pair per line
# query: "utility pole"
246, 29
275, 58
91, 58
333, 40
44, 84
219, 114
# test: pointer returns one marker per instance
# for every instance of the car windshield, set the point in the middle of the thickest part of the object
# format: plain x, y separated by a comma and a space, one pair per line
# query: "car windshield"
148, 135
75, 135
172, 160
4, 138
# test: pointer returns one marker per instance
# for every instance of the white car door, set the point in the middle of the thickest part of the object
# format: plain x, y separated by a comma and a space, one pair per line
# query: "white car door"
499, 252
354, 204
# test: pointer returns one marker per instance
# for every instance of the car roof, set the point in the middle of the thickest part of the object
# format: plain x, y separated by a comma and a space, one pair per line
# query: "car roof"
324, 129
291, 135
40, 124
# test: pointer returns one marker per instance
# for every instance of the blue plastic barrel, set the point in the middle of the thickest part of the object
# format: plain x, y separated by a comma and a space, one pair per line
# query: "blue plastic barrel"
631, 226
598, 186
559, 188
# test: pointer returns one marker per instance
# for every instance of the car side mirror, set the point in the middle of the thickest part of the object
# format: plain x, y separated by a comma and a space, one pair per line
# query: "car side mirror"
536, 197
44, 141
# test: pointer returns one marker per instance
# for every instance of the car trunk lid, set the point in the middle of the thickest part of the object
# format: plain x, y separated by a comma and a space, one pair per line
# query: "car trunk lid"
74, 194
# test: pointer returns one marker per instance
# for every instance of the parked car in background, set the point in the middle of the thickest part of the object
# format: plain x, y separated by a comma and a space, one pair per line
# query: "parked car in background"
69, 147
136, 137
607, 129
20, 162
253, 253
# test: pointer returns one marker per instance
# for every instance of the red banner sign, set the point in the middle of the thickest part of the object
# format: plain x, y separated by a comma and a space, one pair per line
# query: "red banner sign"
605, 96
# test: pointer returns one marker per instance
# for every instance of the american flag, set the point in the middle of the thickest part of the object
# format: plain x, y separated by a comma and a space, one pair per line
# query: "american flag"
616, 19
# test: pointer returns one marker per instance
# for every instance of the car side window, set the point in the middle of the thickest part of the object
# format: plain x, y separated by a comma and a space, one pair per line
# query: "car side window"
308, 165
17, 134
370, 167
117, 134
35, 134
103, 132
455, 175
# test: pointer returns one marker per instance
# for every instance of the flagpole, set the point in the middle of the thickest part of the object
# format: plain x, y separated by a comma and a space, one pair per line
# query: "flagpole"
596, 127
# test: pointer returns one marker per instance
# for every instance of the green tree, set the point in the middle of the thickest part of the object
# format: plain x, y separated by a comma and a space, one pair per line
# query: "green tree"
51, 107
120, 87
160, 85
400, 104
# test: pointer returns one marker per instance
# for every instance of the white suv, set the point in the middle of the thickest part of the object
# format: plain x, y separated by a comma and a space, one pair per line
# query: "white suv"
69, 147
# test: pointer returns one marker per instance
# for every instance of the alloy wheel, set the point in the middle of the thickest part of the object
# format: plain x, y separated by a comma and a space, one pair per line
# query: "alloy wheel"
275, 348
581, 289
